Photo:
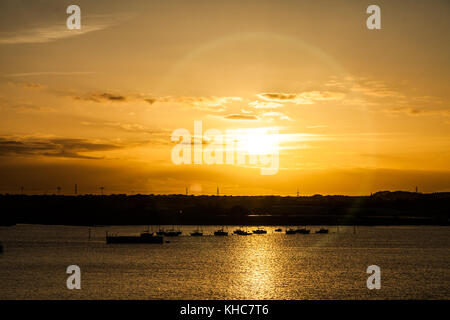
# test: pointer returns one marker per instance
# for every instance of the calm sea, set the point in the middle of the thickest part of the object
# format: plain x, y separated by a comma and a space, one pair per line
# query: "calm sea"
414, 264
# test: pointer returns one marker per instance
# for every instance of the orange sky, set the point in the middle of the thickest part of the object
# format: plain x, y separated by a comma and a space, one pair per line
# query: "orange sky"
357, 110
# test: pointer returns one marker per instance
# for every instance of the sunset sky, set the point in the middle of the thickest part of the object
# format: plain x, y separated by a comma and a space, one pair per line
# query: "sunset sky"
357, 110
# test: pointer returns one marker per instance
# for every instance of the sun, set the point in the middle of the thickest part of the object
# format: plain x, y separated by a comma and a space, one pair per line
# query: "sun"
258, 142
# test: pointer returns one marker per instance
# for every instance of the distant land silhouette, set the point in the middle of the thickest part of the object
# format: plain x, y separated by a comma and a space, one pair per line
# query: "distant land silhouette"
381, 208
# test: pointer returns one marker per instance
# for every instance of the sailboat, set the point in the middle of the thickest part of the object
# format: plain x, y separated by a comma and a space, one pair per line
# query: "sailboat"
290, 231
172, 233
144, 237
241, 232
160, 231
303, 231
260, 231
197, 233
220, 232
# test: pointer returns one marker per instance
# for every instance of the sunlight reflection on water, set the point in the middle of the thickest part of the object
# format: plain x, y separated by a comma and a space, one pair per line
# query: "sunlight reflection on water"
414, 263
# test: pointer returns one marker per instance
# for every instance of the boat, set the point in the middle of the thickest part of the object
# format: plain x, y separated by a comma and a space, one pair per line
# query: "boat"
160, 232
197, 233
220, 232
172, 233
290, 231
144, 237
322, 230
237, 231
303, 231
241, 232
278, 230
259, 231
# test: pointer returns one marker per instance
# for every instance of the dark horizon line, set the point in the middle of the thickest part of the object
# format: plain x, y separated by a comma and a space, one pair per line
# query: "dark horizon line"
223, 195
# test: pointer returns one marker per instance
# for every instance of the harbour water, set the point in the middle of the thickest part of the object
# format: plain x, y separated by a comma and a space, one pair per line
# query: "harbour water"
414, 264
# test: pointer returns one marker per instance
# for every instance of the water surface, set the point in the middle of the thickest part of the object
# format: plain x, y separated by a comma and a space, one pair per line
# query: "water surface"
414, 263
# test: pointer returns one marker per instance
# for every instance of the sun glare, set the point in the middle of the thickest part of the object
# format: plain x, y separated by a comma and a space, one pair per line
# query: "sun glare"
258, 142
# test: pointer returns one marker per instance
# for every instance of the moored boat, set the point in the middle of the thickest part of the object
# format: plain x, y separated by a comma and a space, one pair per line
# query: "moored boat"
290, 231
322, 230
197, 233
259, 231
172, 233
220, 232
160, 232
241, 232
144, 237
303, 231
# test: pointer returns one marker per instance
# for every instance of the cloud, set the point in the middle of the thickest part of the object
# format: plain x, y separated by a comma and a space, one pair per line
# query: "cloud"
212, 103
389, 98
322, 96
52, 147
50, 73
194, 101
241, 117
47, 34
413, 111
207, 101
39, 33
307, 97
128, 127
356, 91
26, 107
365, 86
102, 97
264, 105
277, 96
151, 100
145, 134
275, 115
320, 126
376, 89
27, 85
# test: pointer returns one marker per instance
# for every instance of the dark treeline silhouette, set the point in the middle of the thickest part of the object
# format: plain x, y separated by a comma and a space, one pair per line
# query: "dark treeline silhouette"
381, 208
